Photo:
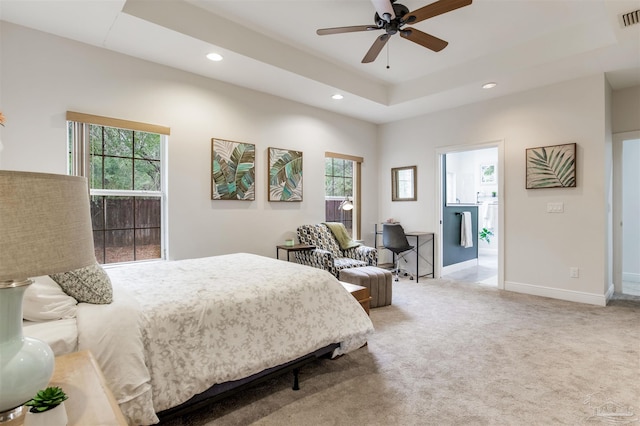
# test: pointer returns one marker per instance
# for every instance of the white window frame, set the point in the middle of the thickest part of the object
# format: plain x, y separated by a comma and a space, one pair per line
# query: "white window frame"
79, 160
357, 187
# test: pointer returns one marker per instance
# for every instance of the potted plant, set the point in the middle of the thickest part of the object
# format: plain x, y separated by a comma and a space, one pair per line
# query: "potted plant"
485, 235
47, 408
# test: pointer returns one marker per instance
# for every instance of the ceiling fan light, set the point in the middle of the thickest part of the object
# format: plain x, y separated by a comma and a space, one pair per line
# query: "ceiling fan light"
216, 57
490, 85
337, 97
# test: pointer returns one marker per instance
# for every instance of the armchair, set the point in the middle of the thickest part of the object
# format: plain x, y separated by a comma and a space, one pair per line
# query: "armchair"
327, 255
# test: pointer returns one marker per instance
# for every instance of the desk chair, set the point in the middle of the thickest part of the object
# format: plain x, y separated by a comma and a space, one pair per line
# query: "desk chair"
394, 239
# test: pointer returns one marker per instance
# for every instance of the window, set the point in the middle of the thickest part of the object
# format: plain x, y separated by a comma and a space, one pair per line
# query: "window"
342, 191
124, 164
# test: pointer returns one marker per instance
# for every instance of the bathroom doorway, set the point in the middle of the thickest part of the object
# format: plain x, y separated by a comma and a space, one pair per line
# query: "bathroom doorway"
626, 149
471, 184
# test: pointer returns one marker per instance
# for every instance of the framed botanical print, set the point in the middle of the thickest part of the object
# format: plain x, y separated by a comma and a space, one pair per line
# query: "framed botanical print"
285, 175
551, 166
488, 174
233, 166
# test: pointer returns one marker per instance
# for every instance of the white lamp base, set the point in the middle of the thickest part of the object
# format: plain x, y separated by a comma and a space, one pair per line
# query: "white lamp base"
27, 363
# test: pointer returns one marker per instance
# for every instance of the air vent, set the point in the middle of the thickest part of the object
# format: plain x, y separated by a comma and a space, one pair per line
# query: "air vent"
631, 18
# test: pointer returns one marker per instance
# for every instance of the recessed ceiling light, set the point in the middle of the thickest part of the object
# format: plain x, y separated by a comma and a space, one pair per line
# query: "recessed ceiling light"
489, 85
214, 57
337, 96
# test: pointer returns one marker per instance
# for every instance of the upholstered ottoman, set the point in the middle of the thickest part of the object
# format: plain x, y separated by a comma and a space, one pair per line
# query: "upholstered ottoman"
377, 280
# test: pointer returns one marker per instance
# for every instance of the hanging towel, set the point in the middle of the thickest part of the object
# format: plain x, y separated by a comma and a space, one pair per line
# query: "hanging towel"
490, 214
466, 230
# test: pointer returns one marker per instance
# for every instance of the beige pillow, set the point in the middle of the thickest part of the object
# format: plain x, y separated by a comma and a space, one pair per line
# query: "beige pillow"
90, 284
44, 300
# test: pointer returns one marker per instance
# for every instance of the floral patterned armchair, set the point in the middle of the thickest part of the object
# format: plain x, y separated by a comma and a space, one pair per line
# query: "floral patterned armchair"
327, 255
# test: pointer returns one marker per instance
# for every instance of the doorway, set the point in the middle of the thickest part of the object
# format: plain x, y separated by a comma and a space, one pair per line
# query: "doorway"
626, 233
470, 183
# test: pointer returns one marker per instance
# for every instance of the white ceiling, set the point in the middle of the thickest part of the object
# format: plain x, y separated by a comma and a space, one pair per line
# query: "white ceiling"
272, 46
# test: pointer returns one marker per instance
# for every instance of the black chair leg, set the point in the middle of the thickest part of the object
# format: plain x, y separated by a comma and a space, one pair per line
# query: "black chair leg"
397, 268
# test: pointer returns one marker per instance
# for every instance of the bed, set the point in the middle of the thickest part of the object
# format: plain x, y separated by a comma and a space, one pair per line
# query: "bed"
177, 328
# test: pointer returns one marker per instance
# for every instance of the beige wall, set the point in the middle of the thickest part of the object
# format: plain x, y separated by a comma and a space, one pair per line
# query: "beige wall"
625, 106
539, 247
43, 76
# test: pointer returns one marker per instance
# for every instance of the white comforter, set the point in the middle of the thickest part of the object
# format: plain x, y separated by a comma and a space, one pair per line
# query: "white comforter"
176, 328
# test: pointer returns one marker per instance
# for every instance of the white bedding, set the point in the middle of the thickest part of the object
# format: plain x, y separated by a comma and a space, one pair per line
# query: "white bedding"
61, 335
211, 320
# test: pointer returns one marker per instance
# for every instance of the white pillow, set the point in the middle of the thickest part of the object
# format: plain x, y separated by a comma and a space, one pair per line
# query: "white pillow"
44, 300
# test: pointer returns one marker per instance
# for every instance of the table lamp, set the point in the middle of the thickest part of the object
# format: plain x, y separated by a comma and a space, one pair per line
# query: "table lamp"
45, 228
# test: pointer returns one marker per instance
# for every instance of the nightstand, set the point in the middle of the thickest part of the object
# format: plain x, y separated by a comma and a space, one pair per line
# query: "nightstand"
360, 293
90, 400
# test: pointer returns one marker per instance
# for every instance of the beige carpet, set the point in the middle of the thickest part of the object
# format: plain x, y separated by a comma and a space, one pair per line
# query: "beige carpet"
448, 353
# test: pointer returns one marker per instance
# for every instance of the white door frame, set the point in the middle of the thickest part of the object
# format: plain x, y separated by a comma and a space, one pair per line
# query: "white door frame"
439, 204
618, 139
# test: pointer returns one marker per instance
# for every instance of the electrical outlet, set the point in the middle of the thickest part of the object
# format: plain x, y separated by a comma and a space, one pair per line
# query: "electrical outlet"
574, 272
555, 207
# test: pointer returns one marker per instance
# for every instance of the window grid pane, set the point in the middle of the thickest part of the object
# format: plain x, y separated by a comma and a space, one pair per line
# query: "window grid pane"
132, 228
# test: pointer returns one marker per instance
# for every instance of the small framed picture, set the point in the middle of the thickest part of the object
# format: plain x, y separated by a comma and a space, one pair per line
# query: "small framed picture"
488, 174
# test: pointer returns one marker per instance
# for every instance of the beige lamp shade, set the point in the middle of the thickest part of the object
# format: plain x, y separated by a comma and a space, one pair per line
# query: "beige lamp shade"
45, 224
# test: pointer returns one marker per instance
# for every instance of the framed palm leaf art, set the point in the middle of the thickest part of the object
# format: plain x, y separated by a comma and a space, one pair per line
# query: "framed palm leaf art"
233, 166
285, 175
551, 166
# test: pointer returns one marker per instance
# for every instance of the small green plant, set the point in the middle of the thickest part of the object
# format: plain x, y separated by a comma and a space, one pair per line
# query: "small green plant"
47, 399
485, 235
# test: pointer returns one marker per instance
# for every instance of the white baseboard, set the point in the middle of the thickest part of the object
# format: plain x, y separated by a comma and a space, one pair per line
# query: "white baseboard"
556, 293
631, 277
459, 266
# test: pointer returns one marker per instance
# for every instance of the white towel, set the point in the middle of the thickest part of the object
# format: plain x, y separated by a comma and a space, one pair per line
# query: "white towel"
490, 214
466, 230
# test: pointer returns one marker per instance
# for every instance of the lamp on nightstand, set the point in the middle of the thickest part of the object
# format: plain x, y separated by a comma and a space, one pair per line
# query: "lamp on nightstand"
45, 228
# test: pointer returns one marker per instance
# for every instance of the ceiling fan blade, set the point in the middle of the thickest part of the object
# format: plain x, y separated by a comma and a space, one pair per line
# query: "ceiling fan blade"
352, 29
434, 9
424, 39
375, 48
384, 7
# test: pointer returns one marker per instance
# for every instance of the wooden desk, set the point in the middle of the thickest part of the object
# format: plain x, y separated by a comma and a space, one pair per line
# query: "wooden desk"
295, 247
90, 400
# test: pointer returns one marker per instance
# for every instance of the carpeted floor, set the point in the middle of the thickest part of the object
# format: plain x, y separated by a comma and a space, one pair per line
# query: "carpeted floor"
451, 353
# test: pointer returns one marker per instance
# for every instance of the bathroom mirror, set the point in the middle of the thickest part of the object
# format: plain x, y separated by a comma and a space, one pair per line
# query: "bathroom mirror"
403, 183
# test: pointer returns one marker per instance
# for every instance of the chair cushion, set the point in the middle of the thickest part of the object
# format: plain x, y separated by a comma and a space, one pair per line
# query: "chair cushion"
345, 262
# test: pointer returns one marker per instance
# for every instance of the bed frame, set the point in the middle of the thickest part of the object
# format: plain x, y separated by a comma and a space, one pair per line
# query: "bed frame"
222, 390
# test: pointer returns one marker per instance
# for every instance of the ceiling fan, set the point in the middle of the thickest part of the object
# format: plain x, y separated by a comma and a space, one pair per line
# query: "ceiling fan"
392, 17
